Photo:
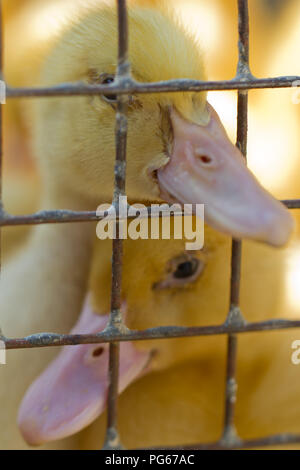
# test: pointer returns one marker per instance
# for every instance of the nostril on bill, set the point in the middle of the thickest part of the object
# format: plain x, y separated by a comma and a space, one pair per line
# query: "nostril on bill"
98, 351
205, 159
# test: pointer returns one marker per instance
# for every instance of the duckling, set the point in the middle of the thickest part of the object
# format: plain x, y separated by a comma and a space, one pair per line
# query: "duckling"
163, 284
187, 116
22, 57
167, 113
177, 147
20, 196
31, 56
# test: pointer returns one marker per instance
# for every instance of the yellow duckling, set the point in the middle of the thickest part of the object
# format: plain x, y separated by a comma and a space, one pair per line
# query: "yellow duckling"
179, 382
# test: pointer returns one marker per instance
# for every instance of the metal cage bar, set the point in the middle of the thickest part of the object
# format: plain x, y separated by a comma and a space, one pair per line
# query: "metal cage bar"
115, 332
1, 126
61, 216
230, 437
112, 439
130, 86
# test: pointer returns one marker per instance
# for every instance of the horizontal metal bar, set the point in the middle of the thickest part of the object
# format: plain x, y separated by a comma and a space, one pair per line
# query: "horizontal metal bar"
276, 439
129, 86
63, 216
67, 216
111, 334
291, 203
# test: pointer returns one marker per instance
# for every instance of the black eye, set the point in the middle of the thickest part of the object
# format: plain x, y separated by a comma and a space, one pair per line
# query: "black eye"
186, 269
106, 81
181, 271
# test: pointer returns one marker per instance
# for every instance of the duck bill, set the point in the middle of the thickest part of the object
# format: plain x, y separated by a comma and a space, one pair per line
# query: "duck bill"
72, 392
206, 168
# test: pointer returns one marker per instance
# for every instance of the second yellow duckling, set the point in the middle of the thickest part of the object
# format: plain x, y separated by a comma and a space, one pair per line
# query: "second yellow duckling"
163, 284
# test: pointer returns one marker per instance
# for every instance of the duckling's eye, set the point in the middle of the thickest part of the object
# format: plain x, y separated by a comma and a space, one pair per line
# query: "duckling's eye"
105, 81
186, 269
181, 271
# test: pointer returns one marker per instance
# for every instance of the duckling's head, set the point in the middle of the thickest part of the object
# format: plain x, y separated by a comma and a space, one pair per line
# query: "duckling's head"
177, 146
163, 284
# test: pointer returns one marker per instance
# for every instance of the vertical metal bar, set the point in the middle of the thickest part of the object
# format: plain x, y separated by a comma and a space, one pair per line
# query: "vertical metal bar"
112, 440
243, 26
229, 433
1, 122
1, 132
230, 437
236, 257
123, 37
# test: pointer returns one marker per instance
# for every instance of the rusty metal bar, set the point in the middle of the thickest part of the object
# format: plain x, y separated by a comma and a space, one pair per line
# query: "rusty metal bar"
291, 203
229, 432
275, 440
1, 125
67, 216
243, 43
40, 340
130, 86
236, 257
112, 440
123, 64
1, 110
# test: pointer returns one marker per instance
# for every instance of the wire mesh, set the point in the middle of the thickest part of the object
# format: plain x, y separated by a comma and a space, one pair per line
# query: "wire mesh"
122, 86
